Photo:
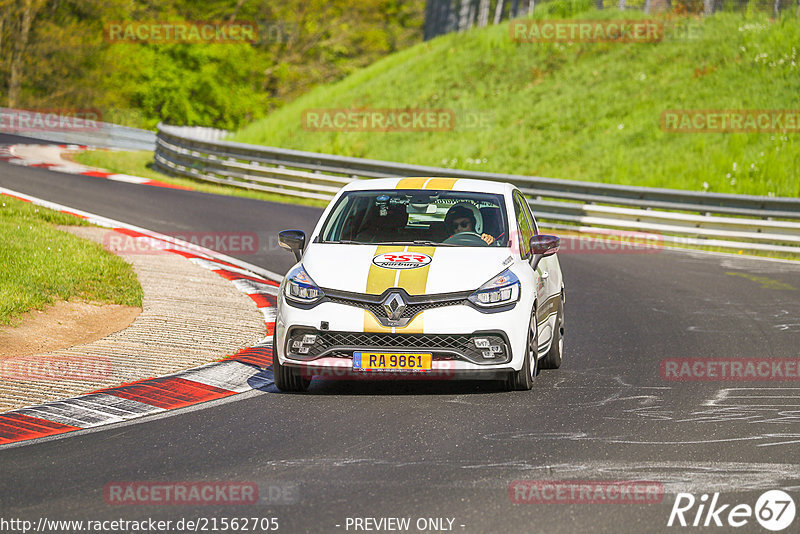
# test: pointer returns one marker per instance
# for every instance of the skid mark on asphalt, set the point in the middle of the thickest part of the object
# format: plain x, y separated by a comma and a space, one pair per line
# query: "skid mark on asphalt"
729, 414
678, 476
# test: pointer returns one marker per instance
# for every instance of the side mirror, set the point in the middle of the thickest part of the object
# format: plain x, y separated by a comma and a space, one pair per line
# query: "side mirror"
546, 245
294, 240
541, 246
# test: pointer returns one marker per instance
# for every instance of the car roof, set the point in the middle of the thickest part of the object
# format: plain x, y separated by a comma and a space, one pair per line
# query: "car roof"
454, 184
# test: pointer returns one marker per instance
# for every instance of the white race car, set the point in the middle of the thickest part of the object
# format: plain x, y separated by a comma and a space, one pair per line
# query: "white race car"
422, 278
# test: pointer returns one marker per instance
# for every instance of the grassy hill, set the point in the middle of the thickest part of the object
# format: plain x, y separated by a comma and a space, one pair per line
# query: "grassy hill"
583, 111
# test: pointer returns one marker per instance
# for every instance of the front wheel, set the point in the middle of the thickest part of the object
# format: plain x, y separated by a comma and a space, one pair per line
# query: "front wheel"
522, 380
286, 378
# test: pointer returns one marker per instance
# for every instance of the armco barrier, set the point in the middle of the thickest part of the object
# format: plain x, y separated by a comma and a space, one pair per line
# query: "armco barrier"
98, 134
682, 217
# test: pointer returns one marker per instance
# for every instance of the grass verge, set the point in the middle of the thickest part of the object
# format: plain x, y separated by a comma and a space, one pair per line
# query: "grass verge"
579, 111
40, 263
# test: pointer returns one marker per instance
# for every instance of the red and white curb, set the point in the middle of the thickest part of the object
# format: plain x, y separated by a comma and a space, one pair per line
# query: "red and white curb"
11, 154
244, 371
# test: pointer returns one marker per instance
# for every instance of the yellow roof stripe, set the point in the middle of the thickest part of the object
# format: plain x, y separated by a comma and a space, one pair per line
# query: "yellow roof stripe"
426, 183
411, 183
441, 183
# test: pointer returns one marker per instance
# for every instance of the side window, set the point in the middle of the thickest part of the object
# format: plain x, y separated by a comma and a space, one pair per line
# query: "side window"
523, 224
533, 225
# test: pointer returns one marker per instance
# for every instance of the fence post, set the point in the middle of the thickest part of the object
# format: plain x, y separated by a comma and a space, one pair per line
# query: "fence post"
776, 9
498, 12
483, 13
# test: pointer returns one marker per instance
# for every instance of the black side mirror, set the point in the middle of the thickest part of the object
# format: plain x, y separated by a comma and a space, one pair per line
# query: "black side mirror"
294, 240
546, 245
541, 246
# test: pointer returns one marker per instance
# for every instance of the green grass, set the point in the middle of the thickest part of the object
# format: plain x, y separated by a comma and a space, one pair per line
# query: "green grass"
140, 163
586, 111
40, 263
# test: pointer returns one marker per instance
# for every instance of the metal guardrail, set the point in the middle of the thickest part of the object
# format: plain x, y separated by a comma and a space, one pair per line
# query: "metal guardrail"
681, 217
100, 134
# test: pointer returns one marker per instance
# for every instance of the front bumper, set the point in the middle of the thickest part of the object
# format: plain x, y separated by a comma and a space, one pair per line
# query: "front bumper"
447, 333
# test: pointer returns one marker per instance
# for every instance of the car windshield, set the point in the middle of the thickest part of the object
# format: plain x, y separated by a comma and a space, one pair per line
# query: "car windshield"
424, 217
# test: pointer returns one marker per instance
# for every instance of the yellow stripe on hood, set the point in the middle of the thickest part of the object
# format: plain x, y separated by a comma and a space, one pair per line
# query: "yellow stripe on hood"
414, 281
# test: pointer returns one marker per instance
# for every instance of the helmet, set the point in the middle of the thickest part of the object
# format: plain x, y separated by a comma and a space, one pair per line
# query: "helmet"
464, 209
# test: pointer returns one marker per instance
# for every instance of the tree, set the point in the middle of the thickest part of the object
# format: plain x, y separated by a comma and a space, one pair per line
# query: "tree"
22, 13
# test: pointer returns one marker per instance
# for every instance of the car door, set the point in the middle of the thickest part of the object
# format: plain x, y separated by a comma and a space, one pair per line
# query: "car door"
549, 278
526, 229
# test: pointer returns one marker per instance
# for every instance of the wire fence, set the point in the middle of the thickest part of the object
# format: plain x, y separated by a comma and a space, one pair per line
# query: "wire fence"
446, 16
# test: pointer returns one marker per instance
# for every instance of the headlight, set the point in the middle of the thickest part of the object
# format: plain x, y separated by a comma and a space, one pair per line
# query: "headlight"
300, 287
501, 290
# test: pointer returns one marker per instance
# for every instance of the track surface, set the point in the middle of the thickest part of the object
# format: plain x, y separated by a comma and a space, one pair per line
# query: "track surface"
450, 450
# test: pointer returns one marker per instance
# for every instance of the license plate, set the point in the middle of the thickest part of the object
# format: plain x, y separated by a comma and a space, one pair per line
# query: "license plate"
391, 361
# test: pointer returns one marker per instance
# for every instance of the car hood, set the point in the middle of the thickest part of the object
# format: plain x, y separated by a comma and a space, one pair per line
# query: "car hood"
351, 267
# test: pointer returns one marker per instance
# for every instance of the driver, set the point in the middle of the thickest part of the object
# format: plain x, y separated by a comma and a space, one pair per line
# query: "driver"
461, 218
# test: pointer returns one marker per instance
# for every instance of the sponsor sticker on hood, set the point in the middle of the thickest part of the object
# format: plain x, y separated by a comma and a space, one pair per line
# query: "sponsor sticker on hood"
401, 260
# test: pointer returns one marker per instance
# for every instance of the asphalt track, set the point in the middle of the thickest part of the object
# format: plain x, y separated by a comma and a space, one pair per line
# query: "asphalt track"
450, 450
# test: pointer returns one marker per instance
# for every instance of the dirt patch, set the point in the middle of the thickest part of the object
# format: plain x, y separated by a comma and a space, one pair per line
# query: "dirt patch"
69, 155
64, 325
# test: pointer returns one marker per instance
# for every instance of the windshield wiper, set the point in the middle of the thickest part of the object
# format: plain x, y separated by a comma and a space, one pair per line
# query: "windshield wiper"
346, 242
433, 243
418, 242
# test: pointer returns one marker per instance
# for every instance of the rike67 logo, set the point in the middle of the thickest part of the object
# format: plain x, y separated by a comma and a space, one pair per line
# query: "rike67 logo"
774, 510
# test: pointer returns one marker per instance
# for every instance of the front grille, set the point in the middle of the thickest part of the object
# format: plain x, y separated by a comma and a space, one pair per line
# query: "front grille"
442, 346
415, 304
411, 311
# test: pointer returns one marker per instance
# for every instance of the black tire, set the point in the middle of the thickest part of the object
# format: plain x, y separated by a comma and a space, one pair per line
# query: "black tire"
287, 378
552, 360
522, 380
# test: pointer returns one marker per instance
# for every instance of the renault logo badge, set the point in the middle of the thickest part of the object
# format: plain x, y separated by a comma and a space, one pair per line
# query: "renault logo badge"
394, 305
